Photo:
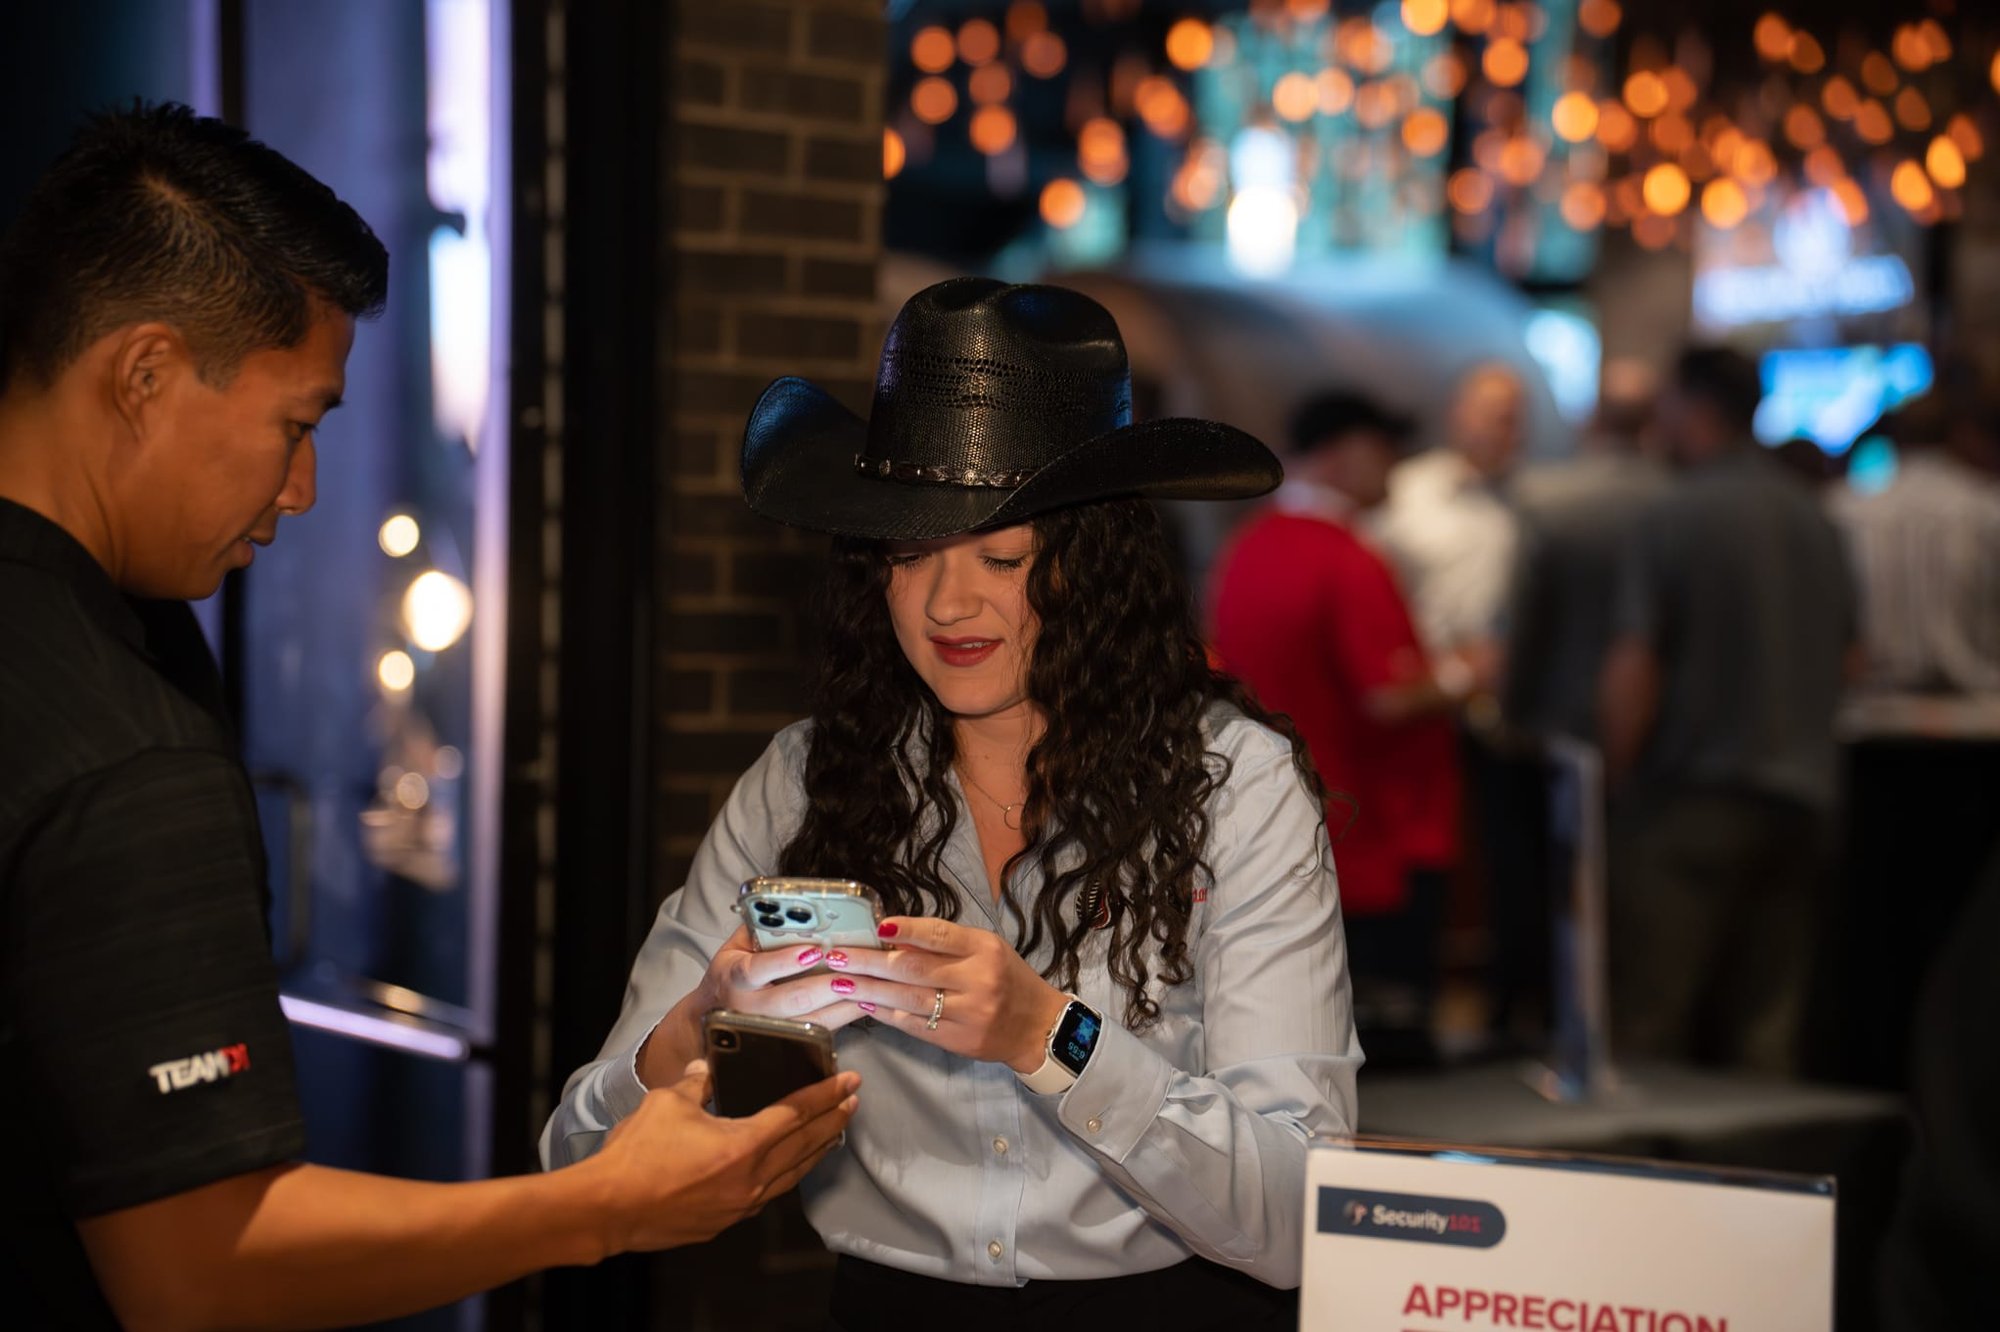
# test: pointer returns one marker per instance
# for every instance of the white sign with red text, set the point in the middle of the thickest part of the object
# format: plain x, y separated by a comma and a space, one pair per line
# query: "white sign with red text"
1412, 1238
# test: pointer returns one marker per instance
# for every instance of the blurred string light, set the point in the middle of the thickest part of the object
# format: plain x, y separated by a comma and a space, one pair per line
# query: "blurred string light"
399, 535
437, 610
1062, 203
894, 153
978, 42
934, 100
932, 50
1190, 42
395, 672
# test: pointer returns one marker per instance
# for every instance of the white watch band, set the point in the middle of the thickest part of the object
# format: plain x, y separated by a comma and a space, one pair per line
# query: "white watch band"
1050, 1078
1052, 1075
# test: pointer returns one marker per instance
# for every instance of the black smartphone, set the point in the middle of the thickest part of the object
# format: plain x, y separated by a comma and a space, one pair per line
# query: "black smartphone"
754, 1061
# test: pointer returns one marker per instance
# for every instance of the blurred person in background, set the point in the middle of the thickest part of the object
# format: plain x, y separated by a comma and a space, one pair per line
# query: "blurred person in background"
1451, 530
1309, 615
1732, 635
1447, 524
1575, 516
1927, 551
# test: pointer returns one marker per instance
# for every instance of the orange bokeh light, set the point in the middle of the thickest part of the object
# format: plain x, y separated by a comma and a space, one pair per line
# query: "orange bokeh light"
1444, 75
1024, 19
1823, 166
1724, 204
1044, 54
1424, 17
1505, 62
1672, 134
1911, 187
1521, 161
1616, 129
932, 50
1872, 123
1473, 16
1574, 116
1755, 165
1878, 74
1772, 37
1808, 56
1945, 163
990, 83
1100, 148
1162, 107
1666, 189
1582, 206
1839, 98
1653, 231
1803, 127
1646, 94
1966, 135
1295, 97
894, 154
1336, 91
1469, 190
1190, 43
1599, 18
978, 41
1935, 39
1425, 132
1912, 111
1063, 203
1912, 52
933, 100
992, 129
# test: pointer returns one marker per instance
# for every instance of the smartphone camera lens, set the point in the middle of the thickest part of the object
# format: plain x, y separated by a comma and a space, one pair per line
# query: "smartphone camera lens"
725, 1040
770, 922
799, 914
765, 904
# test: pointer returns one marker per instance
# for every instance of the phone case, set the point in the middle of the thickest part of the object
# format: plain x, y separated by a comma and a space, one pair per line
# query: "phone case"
754, 1061
794, 912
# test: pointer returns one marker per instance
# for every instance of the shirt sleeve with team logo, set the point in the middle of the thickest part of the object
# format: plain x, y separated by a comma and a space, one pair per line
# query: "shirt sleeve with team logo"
148, 1044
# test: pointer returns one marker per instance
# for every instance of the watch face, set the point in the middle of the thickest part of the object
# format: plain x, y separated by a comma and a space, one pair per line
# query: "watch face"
1076, 1037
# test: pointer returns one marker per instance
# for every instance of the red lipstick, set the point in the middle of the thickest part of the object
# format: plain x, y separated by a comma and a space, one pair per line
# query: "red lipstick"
965, 651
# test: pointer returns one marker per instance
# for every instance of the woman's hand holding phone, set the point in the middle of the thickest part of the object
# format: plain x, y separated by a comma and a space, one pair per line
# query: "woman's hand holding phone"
996, 1006
786, 984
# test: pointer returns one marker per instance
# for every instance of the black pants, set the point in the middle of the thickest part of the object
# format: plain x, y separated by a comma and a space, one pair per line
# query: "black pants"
1715, 898
1194, 1296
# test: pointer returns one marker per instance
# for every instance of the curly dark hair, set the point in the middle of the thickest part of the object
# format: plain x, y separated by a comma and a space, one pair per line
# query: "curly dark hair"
1118, 784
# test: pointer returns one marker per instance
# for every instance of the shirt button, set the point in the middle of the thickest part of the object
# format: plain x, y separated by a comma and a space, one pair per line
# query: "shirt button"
995, 1250
1094, 1124
1000, 1146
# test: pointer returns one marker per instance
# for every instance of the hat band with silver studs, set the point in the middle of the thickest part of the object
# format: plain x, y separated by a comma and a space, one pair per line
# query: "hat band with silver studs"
891, 470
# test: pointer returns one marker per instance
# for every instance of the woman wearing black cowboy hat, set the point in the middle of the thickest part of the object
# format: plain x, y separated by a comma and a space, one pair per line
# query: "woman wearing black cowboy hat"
1117, 1001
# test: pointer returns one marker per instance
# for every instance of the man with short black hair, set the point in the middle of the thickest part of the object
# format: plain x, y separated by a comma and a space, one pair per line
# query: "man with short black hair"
1733, 627
1309, 615
176, 307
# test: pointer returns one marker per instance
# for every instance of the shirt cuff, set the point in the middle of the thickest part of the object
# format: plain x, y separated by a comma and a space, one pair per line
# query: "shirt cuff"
1119, 1095
621, 1090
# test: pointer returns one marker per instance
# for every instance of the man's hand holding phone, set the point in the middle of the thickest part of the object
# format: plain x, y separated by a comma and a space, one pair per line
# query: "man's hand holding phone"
671, 1173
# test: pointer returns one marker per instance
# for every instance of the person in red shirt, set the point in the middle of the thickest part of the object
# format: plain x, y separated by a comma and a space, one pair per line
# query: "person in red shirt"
1310, 616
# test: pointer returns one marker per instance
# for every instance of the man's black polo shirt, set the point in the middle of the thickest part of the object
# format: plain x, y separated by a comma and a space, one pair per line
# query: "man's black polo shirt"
142, 1050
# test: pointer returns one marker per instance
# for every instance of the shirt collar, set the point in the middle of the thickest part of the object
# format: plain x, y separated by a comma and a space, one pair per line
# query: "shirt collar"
26, 537
1309, 499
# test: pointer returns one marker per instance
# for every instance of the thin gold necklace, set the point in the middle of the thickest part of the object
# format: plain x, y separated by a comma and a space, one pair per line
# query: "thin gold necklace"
1006, 810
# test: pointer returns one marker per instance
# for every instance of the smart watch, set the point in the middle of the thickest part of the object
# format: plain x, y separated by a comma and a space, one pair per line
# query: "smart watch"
1067, 1050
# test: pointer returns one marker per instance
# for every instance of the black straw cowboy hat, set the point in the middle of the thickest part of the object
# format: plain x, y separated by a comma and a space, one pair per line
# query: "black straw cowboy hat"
993, 403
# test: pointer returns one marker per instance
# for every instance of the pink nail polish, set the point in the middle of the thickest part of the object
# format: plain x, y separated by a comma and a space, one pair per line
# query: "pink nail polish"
836, 959
842, 985
865, 1006
887, 930
810, 956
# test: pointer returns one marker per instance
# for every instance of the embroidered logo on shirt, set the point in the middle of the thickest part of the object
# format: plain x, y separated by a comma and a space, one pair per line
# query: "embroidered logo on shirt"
212, 1066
